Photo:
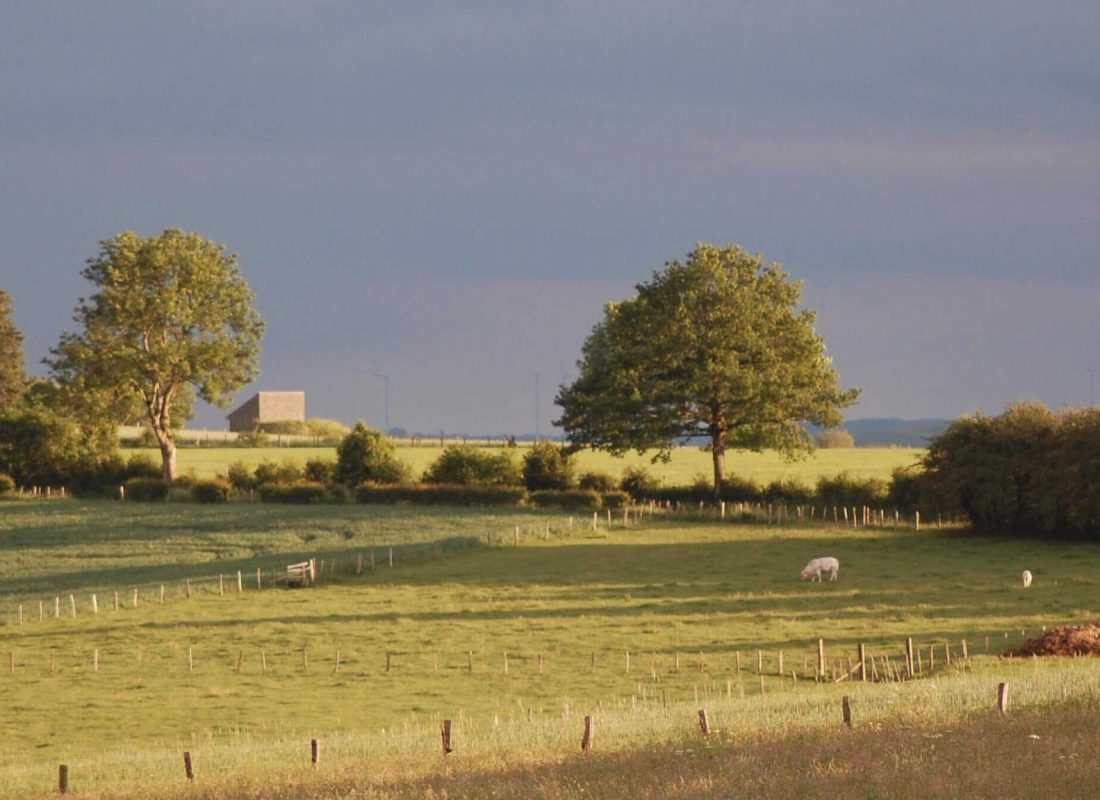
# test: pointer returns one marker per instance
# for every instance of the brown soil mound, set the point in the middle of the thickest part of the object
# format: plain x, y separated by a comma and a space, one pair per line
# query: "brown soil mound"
1068, 640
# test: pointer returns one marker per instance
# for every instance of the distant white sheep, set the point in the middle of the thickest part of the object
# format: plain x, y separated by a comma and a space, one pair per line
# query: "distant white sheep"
1025, 576
819, 565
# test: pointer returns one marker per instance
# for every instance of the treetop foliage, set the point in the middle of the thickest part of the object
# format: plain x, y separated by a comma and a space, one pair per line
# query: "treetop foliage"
171, 318
716, 346
13, 380
367, 455
1028, 470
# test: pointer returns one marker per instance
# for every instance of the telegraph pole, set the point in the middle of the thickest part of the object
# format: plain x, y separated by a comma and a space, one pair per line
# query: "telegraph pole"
386, 413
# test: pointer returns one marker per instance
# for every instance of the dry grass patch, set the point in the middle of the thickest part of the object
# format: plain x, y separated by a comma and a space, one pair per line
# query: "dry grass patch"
1027, 755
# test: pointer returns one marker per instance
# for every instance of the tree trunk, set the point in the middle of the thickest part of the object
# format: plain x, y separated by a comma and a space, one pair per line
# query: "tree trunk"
718, 454
168, 458
158, 408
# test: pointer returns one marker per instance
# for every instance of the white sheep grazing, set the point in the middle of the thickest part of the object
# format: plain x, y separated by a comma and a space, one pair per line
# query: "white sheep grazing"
819, 565
1025, 576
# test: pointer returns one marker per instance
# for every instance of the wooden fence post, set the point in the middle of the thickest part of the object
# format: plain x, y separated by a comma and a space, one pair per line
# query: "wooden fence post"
863, 662
847, 705
909, 666
1002, 697
240, 582
259, 579
95, 609
314, 752
821, 658
188, 588
704, 722
187, 771
446, 731
391, 556
589, 734
63, 778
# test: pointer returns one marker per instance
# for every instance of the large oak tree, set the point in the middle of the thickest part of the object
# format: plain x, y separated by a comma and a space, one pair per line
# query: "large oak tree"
171, 318
715, 347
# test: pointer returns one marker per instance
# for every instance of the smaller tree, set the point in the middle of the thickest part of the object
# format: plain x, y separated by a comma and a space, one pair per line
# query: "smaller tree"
835, 439
466, 465
171, 318
545, 466
367, 455
13, 381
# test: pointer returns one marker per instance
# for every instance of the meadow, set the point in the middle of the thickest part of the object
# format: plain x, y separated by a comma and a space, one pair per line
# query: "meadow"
515, 642
685, 465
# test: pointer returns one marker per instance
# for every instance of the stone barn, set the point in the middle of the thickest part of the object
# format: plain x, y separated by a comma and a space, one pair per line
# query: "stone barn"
268, 407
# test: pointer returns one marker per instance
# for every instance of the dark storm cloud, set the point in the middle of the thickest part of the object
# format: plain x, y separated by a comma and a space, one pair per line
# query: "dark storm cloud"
373, 164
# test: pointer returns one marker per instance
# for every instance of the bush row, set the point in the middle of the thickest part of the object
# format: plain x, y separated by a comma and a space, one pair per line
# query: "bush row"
304, 492
1027, 471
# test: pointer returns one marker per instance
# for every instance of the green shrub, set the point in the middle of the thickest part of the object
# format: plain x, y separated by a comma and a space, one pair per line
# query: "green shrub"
270, 472
615, 499
7, 484
908, 490
337, 493
569, 499
240, 477
597, 482
441, 495
547, 466
297, 493
835, 439
319, 470
144, 490
140, 465
185, 480
845, 491
466, 465
210, 491
734, 490
367, 455
788, 492
1029, 470
638, 482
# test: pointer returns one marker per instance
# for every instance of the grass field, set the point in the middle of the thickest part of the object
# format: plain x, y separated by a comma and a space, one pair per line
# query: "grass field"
112, 694
686, 462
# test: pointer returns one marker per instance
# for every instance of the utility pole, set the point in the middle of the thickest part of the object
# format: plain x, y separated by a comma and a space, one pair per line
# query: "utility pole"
538, 377
386, 412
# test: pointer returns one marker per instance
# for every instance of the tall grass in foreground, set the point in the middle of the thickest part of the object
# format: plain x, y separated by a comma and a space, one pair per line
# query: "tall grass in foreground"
898, 728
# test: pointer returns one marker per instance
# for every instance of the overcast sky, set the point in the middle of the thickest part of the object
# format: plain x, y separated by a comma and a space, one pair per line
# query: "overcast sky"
448, 194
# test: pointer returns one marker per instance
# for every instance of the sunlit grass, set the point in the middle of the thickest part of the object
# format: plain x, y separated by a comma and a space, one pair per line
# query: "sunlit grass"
115, 696
685, 465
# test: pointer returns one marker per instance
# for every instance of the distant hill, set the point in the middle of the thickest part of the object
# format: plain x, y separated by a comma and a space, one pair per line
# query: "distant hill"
899, 432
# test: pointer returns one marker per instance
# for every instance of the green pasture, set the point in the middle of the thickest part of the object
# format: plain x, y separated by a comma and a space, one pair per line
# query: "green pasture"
464, 625
686, 462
